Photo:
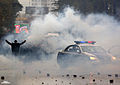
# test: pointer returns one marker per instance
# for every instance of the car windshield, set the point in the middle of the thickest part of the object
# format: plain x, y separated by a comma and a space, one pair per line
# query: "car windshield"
93, 49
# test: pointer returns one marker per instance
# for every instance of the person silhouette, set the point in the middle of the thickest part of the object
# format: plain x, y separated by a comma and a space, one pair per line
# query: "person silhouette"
15, 46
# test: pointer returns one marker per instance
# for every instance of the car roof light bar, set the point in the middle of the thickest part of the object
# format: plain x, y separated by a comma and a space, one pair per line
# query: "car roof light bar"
84, 42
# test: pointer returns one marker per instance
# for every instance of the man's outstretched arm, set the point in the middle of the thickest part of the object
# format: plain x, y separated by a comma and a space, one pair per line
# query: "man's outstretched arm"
8, 42
23, 42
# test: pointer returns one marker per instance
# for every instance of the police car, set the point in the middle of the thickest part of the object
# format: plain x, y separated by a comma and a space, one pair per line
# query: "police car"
83, 51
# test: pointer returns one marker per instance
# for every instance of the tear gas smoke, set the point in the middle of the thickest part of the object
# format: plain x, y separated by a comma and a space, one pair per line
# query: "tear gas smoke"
70, 26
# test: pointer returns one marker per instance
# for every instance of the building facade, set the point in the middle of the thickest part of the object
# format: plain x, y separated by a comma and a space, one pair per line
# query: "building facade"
34, 8
30, 6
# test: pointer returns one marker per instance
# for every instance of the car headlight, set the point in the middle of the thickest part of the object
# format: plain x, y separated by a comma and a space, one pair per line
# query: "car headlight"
114, 58
93, 58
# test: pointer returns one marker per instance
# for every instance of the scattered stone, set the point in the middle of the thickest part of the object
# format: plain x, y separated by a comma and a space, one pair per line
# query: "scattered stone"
62, 81
111, 81
98, 73
83, 77
48, 75
116, 75
5, 83
2, 77
67, 75
109, 75
74, 76
93, 80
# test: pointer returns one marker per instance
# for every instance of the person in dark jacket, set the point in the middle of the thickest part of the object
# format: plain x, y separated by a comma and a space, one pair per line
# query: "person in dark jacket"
15, 46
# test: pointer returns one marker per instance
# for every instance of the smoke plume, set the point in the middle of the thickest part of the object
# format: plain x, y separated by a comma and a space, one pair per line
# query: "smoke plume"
51, 33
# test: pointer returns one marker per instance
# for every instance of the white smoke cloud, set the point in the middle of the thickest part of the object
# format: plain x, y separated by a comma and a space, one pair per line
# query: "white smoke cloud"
70, 26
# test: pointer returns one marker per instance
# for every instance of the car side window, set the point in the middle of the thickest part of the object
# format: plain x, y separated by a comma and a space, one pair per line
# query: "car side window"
73, 48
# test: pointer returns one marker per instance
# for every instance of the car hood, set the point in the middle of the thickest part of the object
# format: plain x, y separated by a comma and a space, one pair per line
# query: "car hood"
99, 55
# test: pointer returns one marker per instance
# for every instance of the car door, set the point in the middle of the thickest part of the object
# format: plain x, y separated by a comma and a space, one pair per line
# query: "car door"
70, 53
